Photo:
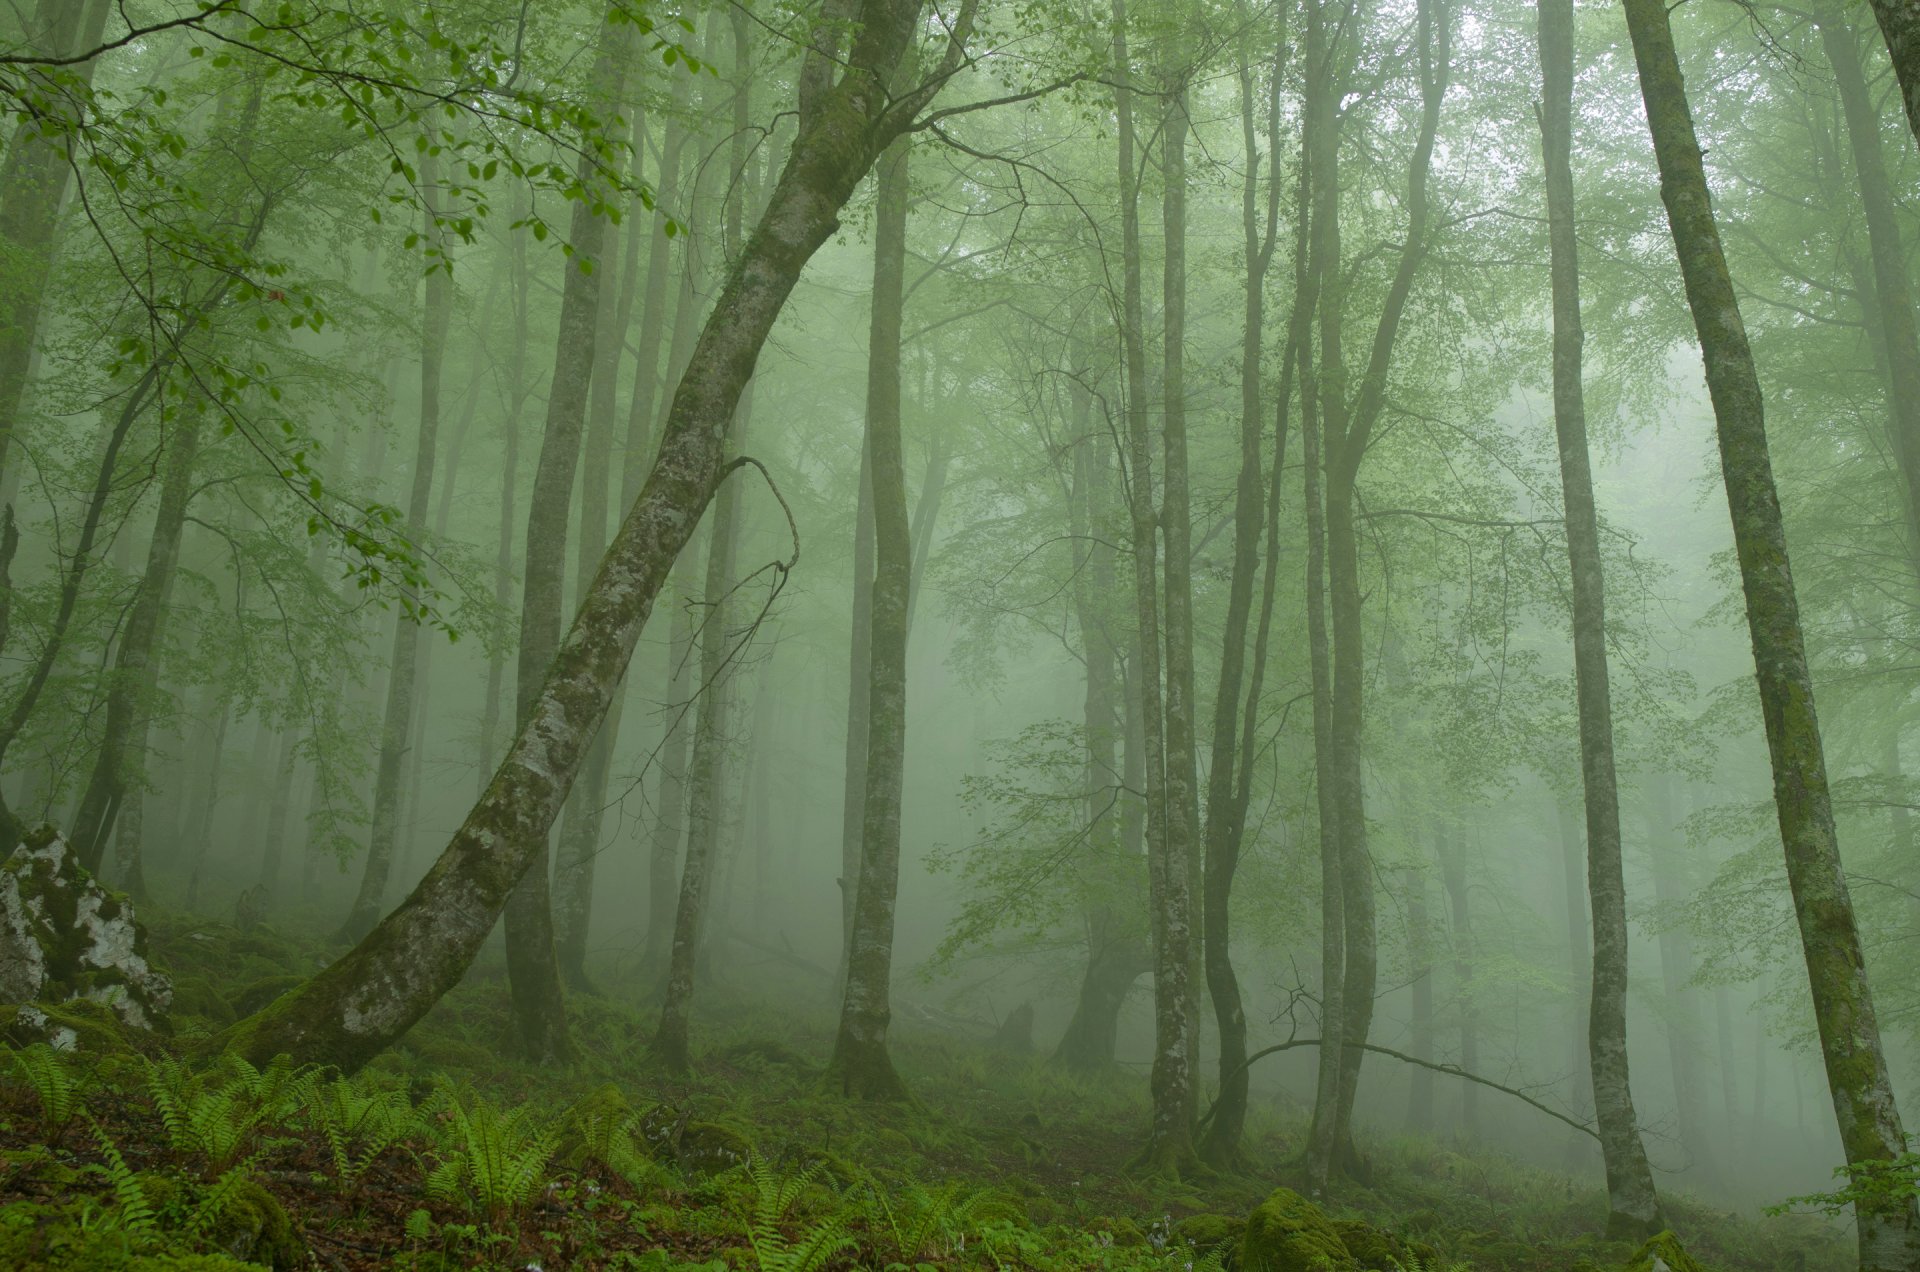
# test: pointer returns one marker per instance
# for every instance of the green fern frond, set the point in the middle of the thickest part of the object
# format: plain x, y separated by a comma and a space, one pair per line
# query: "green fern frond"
135, 1211
54, 1086
214, 1203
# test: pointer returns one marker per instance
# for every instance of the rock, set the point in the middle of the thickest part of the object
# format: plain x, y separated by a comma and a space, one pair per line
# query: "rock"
1663, 1253
64, 937
699, 1148
1204, 1231
1288, 1233
1372, 1249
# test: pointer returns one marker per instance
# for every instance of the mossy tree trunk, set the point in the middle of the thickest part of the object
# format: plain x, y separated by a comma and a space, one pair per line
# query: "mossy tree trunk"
1856, 1067
1633, 1208
1900, 27
375, 992
860, 1065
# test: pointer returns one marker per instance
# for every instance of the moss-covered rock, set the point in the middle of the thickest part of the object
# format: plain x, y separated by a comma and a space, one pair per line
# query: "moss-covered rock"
1204, 1232
65, 937
81, 1024
1288, 1233
1663, 1253
699, 1148
254, 1227
1372, 1249
1118, 1231
196, 996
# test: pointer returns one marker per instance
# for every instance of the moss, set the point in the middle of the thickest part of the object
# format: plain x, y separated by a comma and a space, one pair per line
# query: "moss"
196, 996
708, 1147
255, 1227
1288, 1233
81, 1025
1204, 1232
1122, 1231
35, 1237
1372, 1249
1663, 1249
262, 992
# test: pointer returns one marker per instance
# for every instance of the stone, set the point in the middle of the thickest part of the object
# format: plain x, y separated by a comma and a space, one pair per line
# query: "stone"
64, 937
1663, 1253
1288, 1233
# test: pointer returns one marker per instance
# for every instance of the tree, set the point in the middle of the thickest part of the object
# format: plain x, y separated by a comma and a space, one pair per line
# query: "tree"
371, 995
1869, 1119
1633, 1209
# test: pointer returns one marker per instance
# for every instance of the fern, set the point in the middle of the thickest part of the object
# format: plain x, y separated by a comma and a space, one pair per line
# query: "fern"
498, 1162
924, 1221
358, 1126
774, 1196
135, 1212
218, 1115
54, 1086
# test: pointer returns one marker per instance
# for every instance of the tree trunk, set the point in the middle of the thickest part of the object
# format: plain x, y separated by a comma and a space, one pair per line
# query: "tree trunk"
1685, 1054
33, 182
1420, 1023
853, 791
1452, 852
1229, 766
670, 827
121, 761
1170, 1133
1633, 1207
860, 1066
1320, 142
1894, 321
403, 665
1868, 1118
1900, 26
373, 994
533, 971
518, 390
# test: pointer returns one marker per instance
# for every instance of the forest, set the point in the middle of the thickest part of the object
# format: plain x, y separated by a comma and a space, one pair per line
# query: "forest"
919, 635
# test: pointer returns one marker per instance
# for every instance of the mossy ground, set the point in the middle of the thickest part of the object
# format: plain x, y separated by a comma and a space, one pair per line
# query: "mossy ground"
1000, 1162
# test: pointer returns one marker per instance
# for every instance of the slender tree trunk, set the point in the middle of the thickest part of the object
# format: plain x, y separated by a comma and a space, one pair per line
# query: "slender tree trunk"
373, 994
1863, 1099
1573, 893
1170, 1132
539, 1004
403, 664
1225, 824
1452, 852
1894, 321
1319, 149
853, 791
1633, 1207
33, 182
670, 827
860, 1066
1420, 1023
518, 390
121, 762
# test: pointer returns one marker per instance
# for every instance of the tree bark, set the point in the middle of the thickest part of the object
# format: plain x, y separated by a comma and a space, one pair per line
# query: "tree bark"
1170, 1134
1863, 1099
1633, 1207
373, 994
860, 1066
1900, 27
1229, 764
120, 763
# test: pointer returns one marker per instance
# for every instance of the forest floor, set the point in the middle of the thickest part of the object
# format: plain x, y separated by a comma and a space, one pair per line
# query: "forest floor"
444, 1155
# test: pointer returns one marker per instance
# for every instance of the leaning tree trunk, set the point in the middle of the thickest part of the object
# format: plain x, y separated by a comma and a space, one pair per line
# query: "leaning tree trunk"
374, 993
1888, 1224
1900, 26
403, 664
860, 1066
1633, 1207
1170, 1133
